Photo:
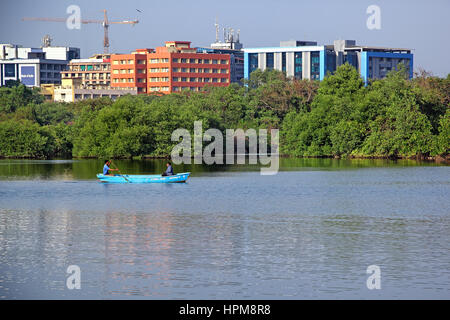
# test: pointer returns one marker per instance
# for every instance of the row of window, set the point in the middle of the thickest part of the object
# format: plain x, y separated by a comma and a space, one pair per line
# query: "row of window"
155, 89
88, 75
164, 70
105, 67
183, 79
50, 75
123, 80
200, 70
214, 80
204, 61
176, 60
178, 89
123, 71
45, 66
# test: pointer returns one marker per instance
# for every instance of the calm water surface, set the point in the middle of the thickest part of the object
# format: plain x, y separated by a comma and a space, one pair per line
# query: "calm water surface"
308, 232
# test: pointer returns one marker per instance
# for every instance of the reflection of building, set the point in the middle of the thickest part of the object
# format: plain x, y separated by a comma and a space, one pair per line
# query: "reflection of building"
73, 90
94, 72
34, 66
172, 68
307, 60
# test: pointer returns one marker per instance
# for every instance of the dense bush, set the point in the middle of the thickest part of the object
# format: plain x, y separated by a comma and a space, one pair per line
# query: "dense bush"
339, 116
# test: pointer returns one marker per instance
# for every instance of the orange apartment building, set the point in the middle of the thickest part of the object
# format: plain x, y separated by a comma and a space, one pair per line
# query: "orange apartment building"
168, 69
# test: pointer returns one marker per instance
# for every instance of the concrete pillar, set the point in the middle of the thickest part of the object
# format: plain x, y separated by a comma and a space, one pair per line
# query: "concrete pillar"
262, 61
278, 61
290, 56
306, 65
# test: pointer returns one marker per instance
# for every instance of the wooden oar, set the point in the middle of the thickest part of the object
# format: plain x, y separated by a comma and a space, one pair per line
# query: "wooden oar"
120, 174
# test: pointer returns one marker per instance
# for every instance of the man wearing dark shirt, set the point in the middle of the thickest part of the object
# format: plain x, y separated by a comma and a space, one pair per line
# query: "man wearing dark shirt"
169, 170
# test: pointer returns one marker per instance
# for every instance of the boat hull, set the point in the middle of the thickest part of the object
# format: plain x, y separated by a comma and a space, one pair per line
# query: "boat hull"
128, 178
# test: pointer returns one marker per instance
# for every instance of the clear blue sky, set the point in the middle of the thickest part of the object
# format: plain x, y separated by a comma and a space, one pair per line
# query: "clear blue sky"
417, 24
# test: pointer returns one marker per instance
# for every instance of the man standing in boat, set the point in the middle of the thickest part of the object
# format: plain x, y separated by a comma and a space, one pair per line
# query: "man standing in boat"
169, 170
107, 169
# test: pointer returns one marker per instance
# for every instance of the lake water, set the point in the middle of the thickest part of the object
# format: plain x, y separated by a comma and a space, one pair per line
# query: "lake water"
309, 232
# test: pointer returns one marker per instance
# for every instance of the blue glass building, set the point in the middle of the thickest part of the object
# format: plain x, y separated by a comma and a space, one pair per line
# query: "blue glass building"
307, 60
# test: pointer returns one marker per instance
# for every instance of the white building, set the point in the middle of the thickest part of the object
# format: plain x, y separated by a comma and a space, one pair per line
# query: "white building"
34, 66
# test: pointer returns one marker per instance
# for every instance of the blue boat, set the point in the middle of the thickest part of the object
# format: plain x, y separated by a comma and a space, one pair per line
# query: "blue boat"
129, 178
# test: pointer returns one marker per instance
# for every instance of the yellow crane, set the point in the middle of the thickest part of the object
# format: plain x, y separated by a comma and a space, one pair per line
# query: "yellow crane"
105, 22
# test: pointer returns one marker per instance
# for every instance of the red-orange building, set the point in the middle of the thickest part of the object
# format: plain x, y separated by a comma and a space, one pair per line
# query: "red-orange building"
168, 69
129, 70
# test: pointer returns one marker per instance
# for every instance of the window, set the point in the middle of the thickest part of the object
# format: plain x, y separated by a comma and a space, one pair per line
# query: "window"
176, 69
215, 80
223, 70
193, 79
183, 60
206, 70
176, 88
184, 70
215, 70
269, 60
165, 89
224, 80
214, 61
183, 79
223, 61
253, 57
175, 60
175, 79
115, 62
153, 89
130, 61
192, 61
206, 61
153, 60
283, 61
164, 69
192, 70
10, 70
298, 68
315, 65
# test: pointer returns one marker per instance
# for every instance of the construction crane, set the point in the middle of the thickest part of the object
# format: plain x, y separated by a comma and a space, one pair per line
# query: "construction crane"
105, 23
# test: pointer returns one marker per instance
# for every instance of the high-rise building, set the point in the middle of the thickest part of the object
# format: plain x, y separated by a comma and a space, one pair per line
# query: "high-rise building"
34, 66
307, 60
172, 68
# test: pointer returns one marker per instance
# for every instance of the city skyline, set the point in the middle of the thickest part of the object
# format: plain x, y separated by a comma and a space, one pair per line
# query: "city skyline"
416, 25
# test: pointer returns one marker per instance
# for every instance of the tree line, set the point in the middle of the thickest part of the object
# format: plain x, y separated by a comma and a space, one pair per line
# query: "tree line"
337, 117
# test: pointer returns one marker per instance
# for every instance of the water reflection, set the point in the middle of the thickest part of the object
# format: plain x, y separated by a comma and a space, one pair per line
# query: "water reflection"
307, 233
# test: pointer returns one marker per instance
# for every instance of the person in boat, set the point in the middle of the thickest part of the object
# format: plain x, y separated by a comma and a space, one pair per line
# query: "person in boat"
169, 170
107, 169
